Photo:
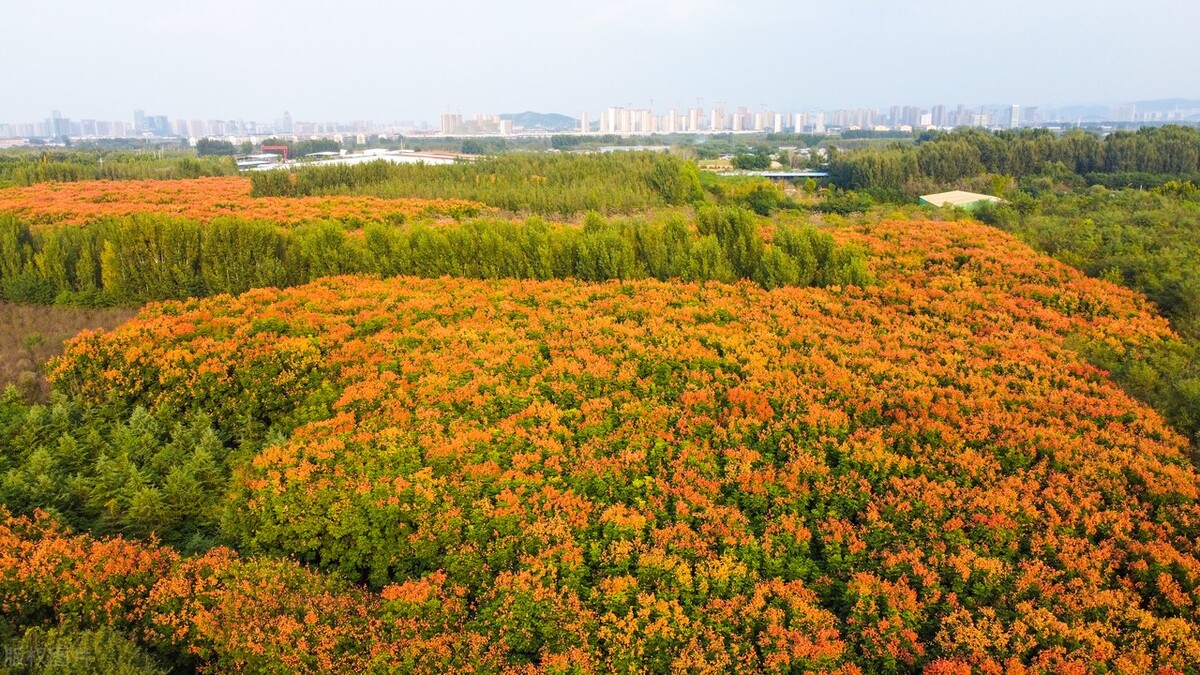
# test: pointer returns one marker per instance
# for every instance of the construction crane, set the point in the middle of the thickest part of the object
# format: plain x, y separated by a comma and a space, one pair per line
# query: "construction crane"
282, 148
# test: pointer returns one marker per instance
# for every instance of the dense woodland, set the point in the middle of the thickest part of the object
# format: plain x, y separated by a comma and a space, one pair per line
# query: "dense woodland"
1146, 157
734, 428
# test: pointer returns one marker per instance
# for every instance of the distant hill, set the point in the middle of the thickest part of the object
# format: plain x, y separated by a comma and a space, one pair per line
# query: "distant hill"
535, 121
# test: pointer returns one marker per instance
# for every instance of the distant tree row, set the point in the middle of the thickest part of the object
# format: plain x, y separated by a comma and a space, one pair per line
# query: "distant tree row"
943, 158
483, 146
136, 259
28, 168
212, 147
548, 184
566, 142
307, 147
757, 160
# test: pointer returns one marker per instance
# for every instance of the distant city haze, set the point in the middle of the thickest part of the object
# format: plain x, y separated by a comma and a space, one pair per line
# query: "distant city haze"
388, 61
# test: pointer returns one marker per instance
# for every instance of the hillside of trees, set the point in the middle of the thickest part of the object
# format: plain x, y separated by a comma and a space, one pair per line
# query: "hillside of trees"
1124, 207
1143, 239
437, 475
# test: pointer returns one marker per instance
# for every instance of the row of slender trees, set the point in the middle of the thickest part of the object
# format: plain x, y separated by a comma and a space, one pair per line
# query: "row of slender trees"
135, 259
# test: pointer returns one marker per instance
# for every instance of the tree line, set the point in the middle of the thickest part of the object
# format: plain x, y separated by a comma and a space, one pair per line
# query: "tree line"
28, 168
940, 159
305, 147
141, 258
548, 184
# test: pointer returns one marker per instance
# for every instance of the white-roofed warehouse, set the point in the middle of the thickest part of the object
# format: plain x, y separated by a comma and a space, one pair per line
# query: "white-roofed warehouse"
963, 200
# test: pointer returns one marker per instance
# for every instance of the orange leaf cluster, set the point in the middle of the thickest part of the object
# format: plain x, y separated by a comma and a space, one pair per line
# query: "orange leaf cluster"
202, 199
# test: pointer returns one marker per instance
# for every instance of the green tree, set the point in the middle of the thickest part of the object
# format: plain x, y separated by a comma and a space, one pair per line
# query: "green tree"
212, 147
471, 146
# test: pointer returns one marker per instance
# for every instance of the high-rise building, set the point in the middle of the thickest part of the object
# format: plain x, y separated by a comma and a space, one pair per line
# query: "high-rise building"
1014, 116
57, 126
938, 116
742, 119
962, 118
645, 122
451, 122
585, 125
159, 125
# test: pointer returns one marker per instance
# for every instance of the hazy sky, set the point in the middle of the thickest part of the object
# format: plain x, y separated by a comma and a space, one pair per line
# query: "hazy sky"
395, 60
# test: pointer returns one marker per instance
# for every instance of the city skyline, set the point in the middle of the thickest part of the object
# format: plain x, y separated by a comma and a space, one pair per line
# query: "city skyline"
616, 119
387, 61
